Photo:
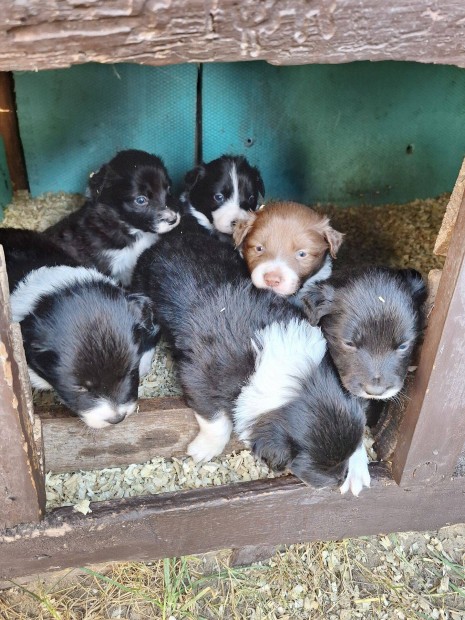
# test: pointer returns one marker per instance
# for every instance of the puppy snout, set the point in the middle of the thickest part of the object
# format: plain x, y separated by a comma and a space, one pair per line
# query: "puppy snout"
169, 216
117, 419
374, 388
272, 279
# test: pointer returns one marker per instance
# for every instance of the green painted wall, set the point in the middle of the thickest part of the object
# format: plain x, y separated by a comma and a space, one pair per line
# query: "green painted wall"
73, 120
355, 133
5, 183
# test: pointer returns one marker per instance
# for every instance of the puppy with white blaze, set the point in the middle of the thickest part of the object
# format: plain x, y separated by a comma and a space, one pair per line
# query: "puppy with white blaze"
372, 318
127, 209
249, 361
221, 192
83, 336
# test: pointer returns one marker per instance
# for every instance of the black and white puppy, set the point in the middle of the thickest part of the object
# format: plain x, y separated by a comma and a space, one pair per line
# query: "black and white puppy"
126, 210
372, 318
83, 336
220, 193
249, 360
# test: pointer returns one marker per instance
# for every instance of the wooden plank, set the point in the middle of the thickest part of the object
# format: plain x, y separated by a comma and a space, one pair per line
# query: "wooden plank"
9, 131
45, 34
22, 484
432, 432
264, 512
445, 232
161, 427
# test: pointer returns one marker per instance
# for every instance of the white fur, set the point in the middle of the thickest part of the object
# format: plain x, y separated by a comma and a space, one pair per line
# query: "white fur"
384, 396
285, 354
201, 218
289, 278
230, 211
101, 415
37, 382
145, 363
123, 261
358, 475
47, 281
163, 226
212, 438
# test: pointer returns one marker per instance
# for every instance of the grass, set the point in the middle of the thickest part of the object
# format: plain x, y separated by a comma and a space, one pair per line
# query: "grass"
396, 577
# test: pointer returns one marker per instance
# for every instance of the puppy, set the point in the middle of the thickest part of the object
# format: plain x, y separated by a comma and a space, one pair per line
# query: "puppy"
249, 360
371, 319
125, 212
285, 244
220, 193
83, 336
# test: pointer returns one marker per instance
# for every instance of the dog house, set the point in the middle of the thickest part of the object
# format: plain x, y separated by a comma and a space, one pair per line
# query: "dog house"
180, 66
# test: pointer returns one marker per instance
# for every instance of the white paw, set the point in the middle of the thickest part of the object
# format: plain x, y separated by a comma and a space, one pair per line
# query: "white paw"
212, 438
201, 449
145, 363
358, 475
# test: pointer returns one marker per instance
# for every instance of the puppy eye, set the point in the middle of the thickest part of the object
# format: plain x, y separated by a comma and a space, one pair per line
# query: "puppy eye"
348, 344
251, 199
218, 198
301, 254
141, 201
259, 248
403, 347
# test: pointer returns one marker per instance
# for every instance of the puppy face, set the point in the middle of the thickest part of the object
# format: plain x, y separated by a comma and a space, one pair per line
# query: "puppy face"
223, 190
315, 435
136, 185
284, 244
87, 347
371, 320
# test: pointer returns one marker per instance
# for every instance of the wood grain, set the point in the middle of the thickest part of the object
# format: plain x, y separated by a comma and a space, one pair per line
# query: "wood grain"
22, 484
445, 232
46, 34
263, 512
9, 131
161, 427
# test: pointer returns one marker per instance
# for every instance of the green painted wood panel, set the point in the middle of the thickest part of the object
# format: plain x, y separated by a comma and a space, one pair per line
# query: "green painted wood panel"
5, 183
355, 133
72, 120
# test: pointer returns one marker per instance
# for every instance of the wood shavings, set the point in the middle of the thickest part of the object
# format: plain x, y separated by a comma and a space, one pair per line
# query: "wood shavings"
83, 506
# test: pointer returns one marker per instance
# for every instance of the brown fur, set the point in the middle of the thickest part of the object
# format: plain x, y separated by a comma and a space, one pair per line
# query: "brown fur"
282, 229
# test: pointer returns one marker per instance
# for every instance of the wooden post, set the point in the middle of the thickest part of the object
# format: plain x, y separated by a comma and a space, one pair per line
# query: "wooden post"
22, 483
432, 432
9, 131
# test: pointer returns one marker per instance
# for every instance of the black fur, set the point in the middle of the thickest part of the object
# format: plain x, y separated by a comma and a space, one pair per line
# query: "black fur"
111, 218
372, 319
210, 313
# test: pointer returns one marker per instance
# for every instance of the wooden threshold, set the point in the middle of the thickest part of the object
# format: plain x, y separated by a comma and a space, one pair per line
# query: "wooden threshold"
263, 512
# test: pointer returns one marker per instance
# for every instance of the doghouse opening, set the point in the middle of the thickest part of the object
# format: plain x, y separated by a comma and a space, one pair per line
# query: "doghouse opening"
371, 144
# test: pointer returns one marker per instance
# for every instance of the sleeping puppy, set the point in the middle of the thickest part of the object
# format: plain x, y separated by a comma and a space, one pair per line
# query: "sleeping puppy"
372, 319
83, 336
249, 360
125, 212
285, 244
220, 193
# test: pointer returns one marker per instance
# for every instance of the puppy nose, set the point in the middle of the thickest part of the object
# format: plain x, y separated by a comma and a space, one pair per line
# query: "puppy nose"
272, 279
117, 419
374, 388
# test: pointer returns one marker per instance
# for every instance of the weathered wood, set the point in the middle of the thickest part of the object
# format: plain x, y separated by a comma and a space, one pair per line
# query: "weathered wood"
445, 232
9, 131
22, 485
432, 431
161, 427
45, 34
264, 512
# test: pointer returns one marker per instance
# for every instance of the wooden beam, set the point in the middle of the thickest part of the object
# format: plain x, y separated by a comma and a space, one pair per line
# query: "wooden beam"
161, 427
263, 512
47, 34
445, 232
432, 431
9, 131
22, 484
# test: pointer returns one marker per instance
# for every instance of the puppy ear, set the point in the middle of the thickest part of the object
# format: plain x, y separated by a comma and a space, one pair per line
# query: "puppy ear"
334, 239
242, 228
416, 284
97, 181
194, 175
270, 442
141, 308
317, 302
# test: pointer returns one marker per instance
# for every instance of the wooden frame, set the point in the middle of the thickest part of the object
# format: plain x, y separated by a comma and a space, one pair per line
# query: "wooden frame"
419, 493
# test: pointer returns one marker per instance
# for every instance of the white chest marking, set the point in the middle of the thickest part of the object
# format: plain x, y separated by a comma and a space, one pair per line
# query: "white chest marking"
123, 261
285, 353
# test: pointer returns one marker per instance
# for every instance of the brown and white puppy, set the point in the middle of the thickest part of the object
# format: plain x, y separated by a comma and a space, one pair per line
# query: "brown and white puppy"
286, 243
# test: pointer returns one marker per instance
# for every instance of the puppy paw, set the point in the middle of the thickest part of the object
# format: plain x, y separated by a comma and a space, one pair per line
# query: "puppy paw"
358, 475
145, 363
201, 449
